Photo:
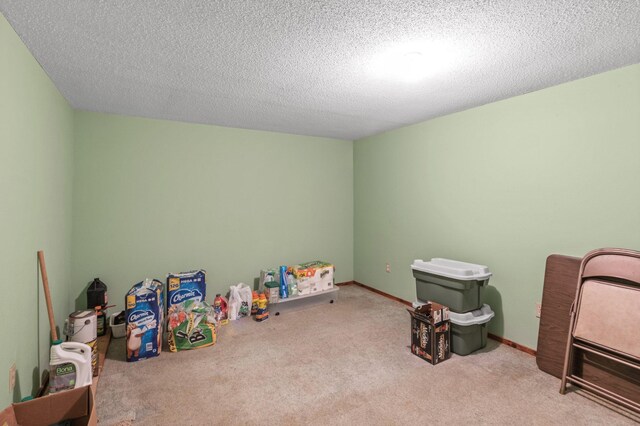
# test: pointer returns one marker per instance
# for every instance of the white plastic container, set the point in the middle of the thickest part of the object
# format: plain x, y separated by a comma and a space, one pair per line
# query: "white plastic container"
458, 285
69, 366
117, 330
469, 330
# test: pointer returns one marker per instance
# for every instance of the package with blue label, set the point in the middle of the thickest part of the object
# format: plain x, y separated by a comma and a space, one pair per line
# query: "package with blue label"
144, 318
191, 324
186, 286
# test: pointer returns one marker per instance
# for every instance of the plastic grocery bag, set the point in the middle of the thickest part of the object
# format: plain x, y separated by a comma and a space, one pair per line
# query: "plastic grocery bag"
239, 301
192, 325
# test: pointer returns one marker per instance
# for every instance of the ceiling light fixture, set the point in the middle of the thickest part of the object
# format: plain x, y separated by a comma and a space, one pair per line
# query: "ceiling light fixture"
413, 62
412, 67
409, 67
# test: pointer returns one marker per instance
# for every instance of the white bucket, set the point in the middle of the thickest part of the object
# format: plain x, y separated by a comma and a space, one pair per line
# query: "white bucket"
82, 327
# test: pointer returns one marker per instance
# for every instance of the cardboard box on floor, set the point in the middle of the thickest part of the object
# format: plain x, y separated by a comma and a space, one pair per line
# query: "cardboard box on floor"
75, 405
430, 334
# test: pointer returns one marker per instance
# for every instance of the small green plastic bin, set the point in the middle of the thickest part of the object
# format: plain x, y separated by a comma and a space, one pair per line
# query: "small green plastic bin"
469, 330
458, 285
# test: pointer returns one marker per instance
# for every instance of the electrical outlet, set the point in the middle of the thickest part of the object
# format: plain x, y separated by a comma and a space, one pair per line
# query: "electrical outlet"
388, 268
538, 309
12, 377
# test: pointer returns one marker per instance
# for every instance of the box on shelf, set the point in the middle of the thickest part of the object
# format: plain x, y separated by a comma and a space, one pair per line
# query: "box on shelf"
304, 288
268, 275
430, 333
272, 291
318, 275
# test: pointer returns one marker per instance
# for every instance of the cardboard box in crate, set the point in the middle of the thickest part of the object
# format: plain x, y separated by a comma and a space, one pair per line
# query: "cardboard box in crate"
430, 334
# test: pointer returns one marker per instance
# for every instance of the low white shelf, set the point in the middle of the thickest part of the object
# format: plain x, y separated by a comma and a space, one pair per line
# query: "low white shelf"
330, 295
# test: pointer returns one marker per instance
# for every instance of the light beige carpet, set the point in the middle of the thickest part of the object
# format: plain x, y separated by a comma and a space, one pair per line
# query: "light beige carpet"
343, 363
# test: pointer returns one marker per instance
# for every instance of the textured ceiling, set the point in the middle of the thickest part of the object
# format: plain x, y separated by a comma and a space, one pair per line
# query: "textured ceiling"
311, 67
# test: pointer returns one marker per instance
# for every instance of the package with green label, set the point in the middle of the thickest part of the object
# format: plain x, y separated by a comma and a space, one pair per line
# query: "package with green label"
192, 325
62, 377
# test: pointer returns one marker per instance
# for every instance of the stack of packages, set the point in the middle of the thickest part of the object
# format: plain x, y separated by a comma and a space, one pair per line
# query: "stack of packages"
460, 286
192, 322
313, 277
303, 279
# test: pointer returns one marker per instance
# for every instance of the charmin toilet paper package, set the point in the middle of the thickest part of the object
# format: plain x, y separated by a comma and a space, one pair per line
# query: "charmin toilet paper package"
185, 286
144, 316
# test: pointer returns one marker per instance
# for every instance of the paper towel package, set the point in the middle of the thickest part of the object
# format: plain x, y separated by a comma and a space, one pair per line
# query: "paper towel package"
316, 275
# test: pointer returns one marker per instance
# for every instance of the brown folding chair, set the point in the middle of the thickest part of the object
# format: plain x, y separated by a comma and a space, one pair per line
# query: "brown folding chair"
605, 317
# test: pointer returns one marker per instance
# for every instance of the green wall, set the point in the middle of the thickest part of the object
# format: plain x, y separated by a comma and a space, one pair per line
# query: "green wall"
153, 197
36, 155
505, 185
